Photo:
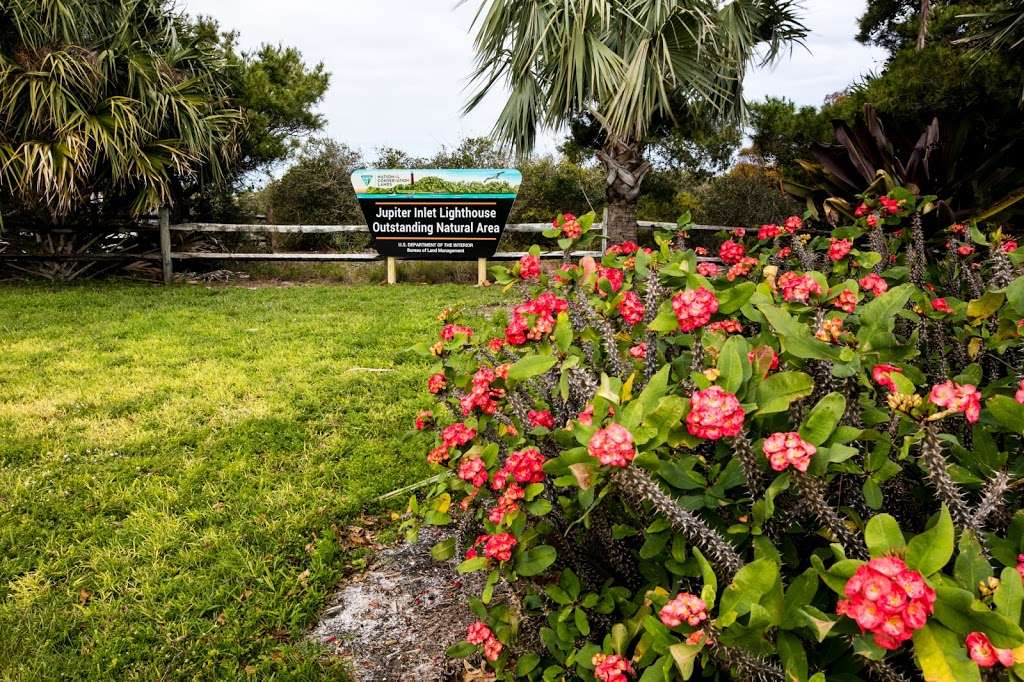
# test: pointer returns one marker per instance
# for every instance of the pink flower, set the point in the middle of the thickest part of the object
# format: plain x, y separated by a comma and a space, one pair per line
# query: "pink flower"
1020, 565
714, 413
457, 434
959, 398
436, 383
981, 651
685, 608
492, 649
499, 546
940, 305
741, 269
534, 318
731, 252
887, 599
529, 266
798, 287
473, 471
694, 308
847, 301
631, 308
880, 374
612, 446
788, 449
449, 331
439, 454
1019, 395
626, 248
586, 417
613, 276
569, 225
874, 284
541, 418
525, 466
478, 633
839, 248
639, 351
784, 253
1009, 245
611, 668
872, 221
768, 232
726, 327
890, 206
862, 210
708, 269
793, 223
965, 250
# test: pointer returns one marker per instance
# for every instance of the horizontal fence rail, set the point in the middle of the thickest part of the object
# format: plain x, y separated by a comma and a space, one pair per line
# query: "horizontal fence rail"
167, 256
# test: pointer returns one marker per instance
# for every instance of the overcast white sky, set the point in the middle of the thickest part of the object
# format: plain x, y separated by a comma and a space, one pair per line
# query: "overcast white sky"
399, 67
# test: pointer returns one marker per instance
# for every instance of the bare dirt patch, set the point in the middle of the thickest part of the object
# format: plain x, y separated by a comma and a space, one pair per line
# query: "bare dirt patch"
395, 620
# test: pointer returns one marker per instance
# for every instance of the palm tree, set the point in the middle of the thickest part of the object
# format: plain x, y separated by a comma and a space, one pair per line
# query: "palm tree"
999, 30
623, 63
110, 103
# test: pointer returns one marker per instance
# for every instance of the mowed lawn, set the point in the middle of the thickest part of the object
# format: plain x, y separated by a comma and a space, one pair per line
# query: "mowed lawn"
173, 461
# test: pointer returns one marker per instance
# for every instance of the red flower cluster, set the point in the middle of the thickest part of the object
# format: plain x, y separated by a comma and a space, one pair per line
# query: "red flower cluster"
457, 434
1009, 246
793, 223
499, 546
569, 225
874, 284
1020, 565
612, 446
784, 253
887, 599
534, 319
890, 206
685, 608
714, 413
862, 210
626, 248
436, 383
1019, 395
707, 269
784, 450
798, 287
741, 269
611, 668
449, 331
473, 471
631, 308
769, 232
838, 249
880, 373
965, 250
525, 466
613, 276
940, 305
953, 396
586, 417
731, 252
529, 266
639, 351
541, 418
481, 396
424, 419
478, 633
846, 301
984, 654
726, 326
694, 308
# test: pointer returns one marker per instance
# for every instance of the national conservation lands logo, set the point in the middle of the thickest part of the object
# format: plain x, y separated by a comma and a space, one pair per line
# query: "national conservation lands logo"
436, 214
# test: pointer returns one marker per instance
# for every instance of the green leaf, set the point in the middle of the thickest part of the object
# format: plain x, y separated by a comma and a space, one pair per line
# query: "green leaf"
795, 337
535, 561
983, 307
823, 419
444, 550
929, 551
563, 332
793, 657
474, 564
751, 584
883, 536
684, 656
732, 363
526, 664
941, 656
735, 297
881, 312
971, 566
962, 613
460, 650
1007, 412
775, 393
1009, 595
580, 619
710, 588
665, 321
531, 366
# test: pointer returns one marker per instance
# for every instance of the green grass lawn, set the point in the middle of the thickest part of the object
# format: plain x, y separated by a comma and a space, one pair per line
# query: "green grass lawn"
173, 460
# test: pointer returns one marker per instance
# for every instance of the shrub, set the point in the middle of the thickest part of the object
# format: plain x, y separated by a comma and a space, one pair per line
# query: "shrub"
801, 468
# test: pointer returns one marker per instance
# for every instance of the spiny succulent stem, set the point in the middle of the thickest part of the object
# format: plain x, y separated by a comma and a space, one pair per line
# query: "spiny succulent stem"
937, 471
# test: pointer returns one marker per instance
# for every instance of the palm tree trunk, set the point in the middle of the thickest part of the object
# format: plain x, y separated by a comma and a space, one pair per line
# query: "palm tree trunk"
624, 162
922, 27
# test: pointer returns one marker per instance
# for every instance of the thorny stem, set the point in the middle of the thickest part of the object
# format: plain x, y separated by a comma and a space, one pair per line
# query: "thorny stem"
611, 346
750, 464
883, 672
810, 489
745, 666
937, 473
637, 486
992, 498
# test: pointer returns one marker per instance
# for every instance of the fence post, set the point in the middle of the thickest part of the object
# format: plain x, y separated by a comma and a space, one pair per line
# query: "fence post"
604, 230
481, 272
392, 270
165, 244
